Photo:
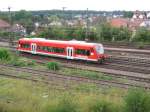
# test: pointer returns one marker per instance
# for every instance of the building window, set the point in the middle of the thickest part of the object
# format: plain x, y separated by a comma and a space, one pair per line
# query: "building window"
51, 49
82, 52
25, 45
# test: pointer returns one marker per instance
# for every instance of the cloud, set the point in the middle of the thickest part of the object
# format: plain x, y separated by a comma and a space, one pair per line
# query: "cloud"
75, 4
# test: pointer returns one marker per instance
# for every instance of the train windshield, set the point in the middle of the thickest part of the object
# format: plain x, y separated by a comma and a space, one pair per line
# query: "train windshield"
99, 49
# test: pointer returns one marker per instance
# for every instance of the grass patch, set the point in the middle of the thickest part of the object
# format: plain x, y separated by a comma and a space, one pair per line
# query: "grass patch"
26, 96
6, 57
89, 74
137, 100
19, 61
53, 66
4, 54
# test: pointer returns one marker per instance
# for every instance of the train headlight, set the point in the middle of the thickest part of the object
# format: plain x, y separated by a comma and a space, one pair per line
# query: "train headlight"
92, 54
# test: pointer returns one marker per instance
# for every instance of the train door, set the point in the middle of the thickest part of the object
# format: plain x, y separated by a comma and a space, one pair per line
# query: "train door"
69, 52
33, 48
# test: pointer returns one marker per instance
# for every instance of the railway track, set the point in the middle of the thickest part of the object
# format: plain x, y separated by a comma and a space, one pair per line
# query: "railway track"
120, 65
55, 76
74, 64
123, 50
126, 45
142, 62
125, 63
133, 62
138, 65
136, 69
132, 77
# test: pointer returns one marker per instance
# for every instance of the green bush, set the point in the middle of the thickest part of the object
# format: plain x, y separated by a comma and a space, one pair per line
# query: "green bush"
142, 35
53, 66
137, 101
6, 34
102, 106
5, 54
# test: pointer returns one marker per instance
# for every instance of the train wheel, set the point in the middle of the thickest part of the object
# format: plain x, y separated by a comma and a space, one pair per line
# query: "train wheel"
101, 61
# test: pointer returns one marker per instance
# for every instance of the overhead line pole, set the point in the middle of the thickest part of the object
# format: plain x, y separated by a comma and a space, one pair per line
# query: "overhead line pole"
63, 9
10, 21
87, 23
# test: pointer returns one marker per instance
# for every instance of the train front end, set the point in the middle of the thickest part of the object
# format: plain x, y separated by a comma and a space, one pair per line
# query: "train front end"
100, 53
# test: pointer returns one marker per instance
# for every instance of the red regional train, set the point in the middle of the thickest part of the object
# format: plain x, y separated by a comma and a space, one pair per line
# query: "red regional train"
79, 50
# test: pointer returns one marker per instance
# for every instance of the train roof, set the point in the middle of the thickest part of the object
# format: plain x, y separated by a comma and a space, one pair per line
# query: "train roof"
74, 42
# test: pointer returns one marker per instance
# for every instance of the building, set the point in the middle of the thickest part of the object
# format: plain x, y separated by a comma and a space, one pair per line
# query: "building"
17, 28
119, 22
139, 19
139, 15
4, 25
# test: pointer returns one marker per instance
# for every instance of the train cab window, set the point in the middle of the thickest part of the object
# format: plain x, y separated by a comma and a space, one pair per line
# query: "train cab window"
88, 52
82, 52
99, 49
25, 45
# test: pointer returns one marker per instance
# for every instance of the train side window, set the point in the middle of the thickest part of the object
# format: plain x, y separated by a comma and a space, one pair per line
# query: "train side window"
43, 48
82, 52
25, 45
38, 48
88, 52
51, 49
59, 50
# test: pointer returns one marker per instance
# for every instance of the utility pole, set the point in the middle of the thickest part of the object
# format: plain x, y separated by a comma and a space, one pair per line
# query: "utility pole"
63, 15
63, 9
87, 24
10, 21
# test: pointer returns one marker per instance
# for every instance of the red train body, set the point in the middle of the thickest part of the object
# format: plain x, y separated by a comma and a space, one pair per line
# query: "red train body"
65, 49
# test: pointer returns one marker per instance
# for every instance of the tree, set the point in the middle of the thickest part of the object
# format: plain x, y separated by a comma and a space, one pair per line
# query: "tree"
142, 35
120, 34
53, 18
79, 33
104, 32
108, 33
24, 18
22, 14
4, 16
127, 14
47, 33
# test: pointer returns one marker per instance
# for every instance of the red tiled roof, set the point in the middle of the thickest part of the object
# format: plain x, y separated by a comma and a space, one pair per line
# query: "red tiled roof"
118, 22
4, 24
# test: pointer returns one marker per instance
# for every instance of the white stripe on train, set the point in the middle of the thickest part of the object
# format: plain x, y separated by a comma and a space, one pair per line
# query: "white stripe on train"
57, 55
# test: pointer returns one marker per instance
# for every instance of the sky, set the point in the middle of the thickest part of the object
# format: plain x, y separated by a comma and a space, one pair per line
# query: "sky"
99, 5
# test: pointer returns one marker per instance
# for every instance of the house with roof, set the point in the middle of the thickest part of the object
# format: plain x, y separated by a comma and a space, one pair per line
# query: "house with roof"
139, 19
119, 22
139, 15
4, 25
132, 24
